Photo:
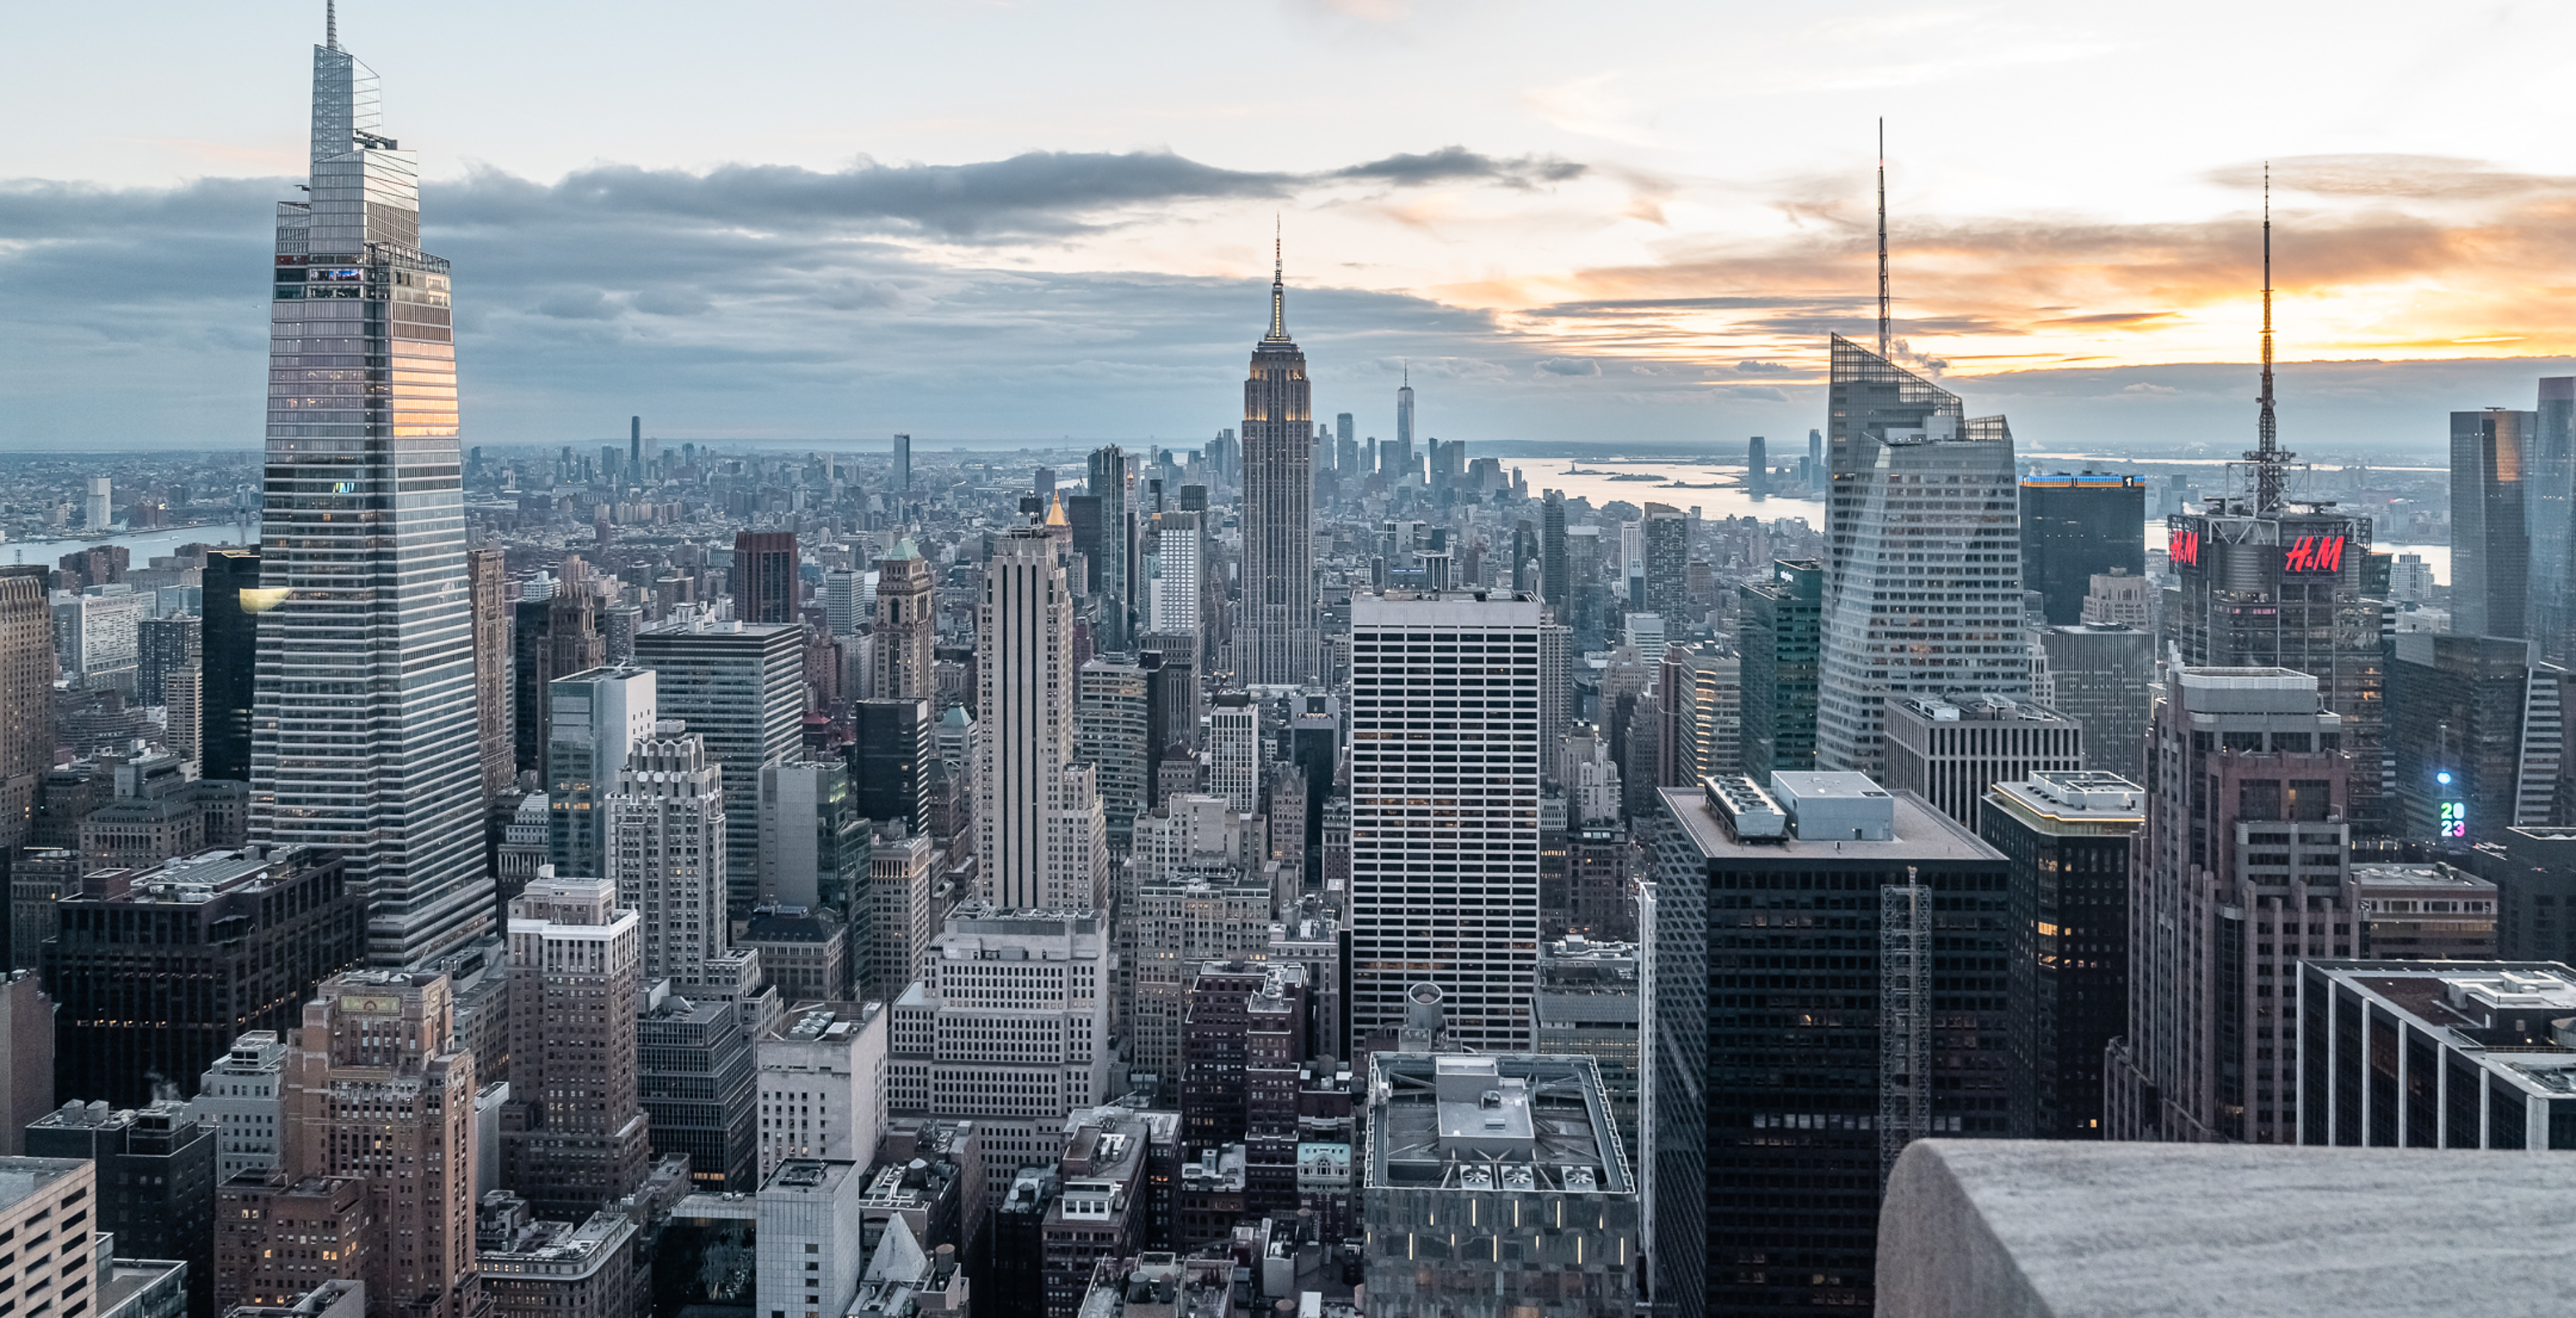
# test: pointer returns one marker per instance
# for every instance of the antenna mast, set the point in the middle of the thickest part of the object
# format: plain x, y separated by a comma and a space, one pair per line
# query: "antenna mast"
1882, 241
2267, 457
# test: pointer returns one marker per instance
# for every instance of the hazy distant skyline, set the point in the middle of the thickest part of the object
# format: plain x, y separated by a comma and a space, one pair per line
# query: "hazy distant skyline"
990, 223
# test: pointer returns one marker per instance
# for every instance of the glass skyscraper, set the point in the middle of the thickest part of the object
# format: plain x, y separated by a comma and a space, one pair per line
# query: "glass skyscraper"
1923, 528
364, 734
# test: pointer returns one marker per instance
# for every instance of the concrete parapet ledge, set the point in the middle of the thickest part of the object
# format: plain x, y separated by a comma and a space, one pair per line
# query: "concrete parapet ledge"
2039, 1229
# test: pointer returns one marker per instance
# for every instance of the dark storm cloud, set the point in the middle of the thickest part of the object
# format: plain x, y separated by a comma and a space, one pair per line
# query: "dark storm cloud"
1454, 164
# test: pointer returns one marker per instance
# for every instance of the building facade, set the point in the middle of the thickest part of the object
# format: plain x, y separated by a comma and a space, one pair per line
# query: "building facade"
2068, 836
1444, 784
1276, 642
740, 687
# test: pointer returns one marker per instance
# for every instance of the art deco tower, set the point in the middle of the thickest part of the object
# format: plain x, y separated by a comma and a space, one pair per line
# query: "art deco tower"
1277, 643
364, 728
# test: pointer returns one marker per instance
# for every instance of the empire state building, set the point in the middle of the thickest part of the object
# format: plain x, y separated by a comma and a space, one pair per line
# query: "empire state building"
363, 722
1276, 642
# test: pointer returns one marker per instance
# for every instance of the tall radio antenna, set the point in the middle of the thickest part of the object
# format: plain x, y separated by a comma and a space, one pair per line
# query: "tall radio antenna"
1882, 243
2267, 457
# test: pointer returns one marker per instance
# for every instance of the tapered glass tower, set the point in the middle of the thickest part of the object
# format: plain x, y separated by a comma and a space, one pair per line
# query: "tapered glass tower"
1277, 641
363, 733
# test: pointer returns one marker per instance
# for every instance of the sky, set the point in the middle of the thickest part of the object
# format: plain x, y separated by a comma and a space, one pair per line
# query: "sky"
1619, 224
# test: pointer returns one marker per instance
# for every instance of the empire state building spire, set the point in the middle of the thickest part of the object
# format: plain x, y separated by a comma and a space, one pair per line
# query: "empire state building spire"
1277, 642
1278, 292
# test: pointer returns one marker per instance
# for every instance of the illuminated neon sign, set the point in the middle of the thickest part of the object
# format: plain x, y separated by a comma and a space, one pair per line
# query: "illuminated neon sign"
2314, 553
2455, 819
2182, 548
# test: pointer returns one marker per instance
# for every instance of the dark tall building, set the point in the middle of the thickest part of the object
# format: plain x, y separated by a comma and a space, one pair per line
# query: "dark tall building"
1780, 638
2073, 526
156, 1184
890, 759
27, 702
1113, 570
1212, 1052
764, 576
700, 1086
232, 602
1552, 583
2549, 515
1667, 549
1757, 467
2456, 708
2490, 541
549, 638
1797, 1049
168, 645
1082, 514
2067, 907
155, 973
2534, 873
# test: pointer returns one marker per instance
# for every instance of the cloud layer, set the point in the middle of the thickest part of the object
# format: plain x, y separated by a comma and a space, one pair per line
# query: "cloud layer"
1002, 300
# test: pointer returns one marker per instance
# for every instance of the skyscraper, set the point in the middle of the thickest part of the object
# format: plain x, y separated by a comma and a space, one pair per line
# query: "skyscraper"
26, 699
903, 466
1666, 537
907, 626
1111, 734
1277, 643
764, 576
1779, 638
2550, 515
2490, 547
598, 717
2074, 527
2067, 902
378, 1089
1399, 463
364, 737
553, 636
1345, 448
233, 602
740, 688
890, 757
1033, 807
1923, 578
2247, 856
1444, 774
574, 1133
1111, 566
484, 576
666, 825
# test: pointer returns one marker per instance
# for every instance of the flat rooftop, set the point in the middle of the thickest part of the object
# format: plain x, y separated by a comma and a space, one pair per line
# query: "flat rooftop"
1974, 1228
1922, 833
21, 1177
1510, 1123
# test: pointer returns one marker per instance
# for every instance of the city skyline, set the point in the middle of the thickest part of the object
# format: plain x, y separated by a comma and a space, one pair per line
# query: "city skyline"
1569, 253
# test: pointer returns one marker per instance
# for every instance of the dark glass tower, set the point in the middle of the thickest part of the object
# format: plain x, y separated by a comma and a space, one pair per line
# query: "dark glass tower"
2490, 546
1782, 628
2074, 527
764, 576
364, 735
1277, 643
2067, 907
2549, 513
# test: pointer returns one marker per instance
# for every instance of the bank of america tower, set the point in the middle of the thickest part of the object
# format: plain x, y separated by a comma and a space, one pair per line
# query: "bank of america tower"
364, 719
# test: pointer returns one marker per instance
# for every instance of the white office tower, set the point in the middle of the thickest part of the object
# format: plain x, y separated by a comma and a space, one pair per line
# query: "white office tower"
364, 735
594, 719
845, 600
1040, 838
822, 1083
1173, 598
241, 1093
810, 1219
1198, 897
1923, 576
1009, 1028
98, 509
1444, 772
1234, 750
666, 828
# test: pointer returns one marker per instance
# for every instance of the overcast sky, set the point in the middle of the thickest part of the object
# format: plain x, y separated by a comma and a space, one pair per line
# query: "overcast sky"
819, 223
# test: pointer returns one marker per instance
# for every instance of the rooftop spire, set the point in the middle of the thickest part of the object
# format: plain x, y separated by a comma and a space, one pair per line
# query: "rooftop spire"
331, 23
2267, 456
1882, 239
1278, 289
